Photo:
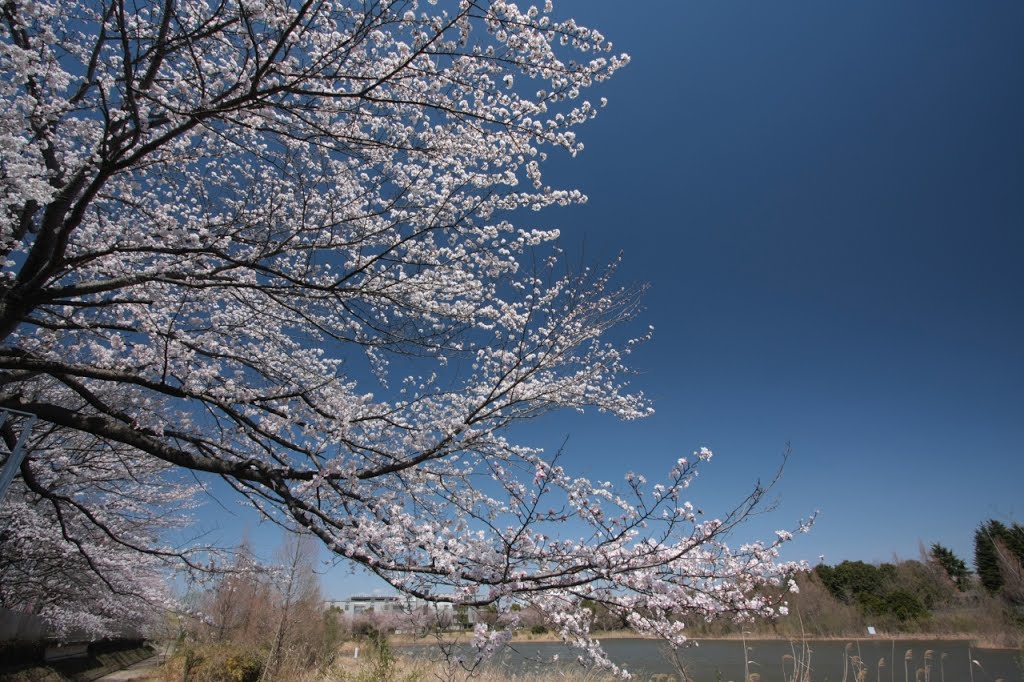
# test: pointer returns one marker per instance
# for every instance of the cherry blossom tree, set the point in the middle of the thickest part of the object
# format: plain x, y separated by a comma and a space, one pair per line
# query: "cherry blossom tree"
286, 242
80, 537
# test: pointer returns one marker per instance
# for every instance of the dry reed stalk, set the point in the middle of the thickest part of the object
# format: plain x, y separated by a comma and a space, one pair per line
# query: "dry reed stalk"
746, 657
784, 657
860, 669
892, 669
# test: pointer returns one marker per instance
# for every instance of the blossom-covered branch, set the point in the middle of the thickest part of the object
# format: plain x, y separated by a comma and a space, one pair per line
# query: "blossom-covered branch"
273, 240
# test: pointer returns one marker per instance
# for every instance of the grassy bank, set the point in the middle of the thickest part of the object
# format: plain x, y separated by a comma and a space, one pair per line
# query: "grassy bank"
384, 661
376, 663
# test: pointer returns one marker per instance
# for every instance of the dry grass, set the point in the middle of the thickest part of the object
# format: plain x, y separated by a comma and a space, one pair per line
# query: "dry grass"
219, 663
403, 669
417, 672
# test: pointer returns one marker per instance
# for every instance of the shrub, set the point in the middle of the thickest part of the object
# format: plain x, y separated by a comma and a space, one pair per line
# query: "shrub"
905, 606
220, 663
242, 667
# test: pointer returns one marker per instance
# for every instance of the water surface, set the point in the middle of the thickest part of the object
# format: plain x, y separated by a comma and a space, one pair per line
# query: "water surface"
883, 660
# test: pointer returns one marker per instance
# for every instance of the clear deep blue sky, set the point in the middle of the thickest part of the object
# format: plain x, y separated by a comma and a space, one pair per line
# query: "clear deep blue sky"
827, 200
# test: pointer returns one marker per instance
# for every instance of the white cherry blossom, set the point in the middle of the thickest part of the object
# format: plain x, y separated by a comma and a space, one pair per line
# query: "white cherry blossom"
283, 242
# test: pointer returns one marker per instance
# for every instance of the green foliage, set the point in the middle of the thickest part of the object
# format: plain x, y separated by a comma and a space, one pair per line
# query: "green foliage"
538, 629
904, 592
905, 606
852, 581
953, 565
872, 604
986, 561
990, 539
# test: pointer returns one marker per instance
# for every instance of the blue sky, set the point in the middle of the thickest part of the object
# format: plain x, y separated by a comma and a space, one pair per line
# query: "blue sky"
827, 200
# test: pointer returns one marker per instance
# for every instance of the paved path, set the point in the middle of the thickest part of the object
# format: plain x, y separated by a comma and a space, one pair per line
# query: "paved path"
142, 670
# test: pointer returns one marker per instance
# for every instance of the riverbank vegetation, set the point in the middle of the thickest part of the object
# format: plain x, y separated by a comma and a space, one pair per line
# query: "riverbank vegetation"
269, 623
374, 660
933, 596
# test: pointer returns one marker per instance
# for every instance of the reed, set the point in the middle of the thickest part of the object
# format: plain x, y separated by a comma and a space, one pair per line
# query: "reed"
801, 663
860, 669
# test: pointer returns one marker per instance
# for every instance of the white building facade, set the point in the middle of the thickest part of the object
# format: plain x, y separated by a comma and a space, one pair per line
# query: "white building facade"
404, 613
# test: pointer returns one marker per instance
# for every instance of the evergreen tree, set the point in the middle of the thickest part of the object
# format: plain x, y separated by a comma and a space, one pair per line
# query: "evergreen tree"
985, 561
991, 538
953, 565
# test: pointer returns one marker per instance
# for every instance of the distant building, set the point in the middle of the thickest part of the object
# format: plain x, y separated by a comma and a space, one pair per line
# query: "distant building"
405, 612
362, 604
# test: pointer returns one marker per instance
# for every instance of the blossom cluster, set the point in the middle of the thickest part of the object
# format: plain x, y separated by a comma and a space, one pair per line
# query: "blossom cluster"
283, 243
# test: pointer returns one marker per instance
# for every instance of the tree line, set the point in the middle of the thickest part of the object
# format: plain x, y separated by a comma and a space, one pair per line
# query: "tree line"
936, 593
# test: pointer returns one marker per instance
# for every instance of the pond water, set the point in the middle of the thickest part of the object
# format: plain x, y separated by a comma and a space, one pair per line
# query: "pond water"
883, 660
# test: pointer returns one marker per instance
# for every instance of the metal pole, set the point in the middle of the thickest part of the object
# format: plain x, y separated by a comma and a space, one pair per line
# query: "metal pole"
14, 459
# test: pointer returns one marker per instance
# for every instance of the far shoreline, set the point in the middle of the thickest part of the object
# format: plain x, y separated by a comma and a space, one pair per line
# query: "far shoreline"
520, 637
